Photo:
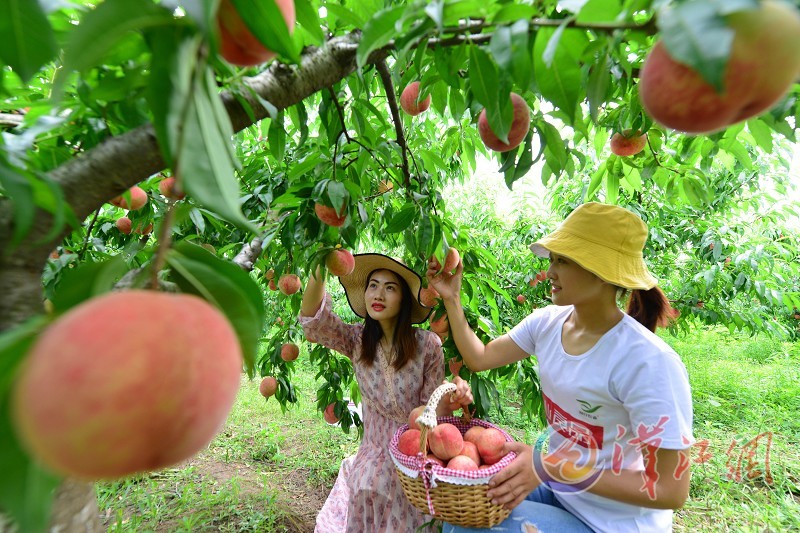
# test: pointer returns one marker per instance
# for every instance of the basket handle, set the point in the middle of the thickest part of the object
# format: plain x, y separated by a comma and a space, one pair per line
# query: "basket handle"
427, 420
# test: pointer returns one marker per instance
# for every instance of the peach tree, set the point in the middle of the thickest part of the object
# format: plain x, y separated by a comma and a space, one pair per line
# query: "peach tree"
136, 133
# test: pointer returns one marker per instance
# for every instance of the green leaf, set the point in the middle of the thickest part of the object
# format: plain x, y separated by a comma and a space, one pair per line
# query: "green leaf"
521, 65
485, 85
19, 190
378, 31
761, 133
597, 88
27, 42
277, 137
14, 344
560, 82
402, 220
105, 26
226, 286
308, 18
205, 161
26, 491
514, 12
599, 11
695, 34
265, 21
87, 281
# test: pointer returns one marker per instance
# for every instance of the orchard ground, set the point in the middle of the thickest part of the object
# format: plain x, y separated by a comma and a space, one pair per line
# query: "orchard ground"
271, 471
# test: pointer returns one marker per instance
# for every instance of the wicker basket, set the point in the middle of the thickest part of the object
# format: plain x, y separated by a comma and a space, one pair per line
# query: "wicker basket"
454, 496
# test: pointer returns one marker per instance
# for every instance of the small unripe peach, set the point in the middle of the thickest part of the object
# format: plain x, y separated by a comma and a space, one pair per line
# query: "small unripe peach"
409, 97
268, 386
385, 186
289, 351
270, 274
289, 284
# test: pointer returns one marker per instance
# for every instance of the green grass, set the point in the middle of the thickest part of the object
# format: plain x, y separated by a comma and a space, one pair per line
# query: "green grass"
271, 471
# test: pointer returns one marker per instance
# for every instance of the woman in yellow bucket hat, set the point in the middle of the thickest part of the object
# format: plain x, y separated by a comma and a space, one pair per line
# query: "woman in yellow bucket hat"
616, 397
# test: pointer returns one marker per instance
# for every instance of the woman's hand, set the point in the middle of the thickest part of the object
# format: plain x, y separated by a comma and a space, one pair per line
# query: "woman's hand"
511, 485
447, 284
461, 398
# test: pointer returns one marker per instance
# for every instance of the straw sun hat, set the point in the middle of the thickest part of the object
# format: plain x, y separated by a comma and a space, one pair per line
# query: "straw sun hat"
355, 283
606, 240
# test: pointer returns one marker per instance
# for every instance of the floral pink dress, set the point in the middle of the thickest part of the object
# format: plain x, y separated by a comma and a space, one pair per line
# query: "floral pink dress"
367, 496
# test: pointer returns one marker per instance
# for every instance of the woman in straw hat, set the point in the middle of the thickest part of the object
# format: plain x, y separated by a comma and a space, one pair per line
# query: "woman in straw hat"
397, 367
616, 396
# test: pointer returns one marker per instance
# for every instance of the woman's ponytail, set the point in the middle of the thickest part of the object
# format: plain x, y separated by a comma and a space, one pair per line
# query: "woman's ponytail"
651, 308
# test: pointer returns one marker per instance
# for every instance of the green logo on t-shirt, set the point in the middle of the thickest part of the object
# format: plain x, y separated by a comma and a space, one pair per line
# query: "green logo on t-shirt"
588, 408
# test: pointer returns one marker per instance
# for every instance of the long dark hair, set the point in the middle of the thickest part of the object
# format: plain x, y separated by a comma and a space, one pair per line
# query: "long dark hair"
404, 341
651, 308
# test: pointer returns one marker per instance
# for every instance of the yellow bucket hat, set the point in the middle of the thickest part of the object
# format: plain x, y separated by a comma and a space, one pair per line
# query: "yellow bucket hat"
606, 240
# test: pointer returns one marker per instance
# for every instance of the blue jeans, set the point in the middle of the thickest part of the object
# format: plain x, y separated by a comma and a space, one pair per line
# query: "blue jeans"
541, 510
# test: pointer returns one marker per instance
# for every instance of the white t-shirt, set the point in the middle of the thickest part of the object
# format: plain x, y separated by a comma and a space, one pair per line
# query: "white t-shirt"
629, 388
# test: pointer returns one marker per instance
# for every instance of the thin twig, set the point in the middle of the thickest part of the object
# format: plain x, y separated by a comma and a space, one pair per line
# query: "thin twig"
386, 78
88, 234
164, 244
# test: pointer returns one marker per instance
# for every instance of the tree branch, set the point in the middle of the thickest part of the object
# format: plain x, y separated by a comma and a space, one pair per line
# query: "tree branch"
386, 78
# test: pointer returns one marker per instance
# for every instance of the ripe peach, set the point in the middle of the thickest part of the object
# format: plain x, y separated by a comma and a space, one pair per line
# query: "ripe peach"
764, 63
289, 284
237, 45
169, 188
462, 462
519, 127
124, 225
451, 260
329, 216
455, 366
428, 296
471, 451
542, 275
409, 442
340, 262
473, 433
270, 274
628, 143
289, 351
138, 199
521, 298
329, 415
409, 97
268, 386
141, 229
412, 416
385, 186
490, 445
445, 441
533, 282
105, 392
272, 285
440, 325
